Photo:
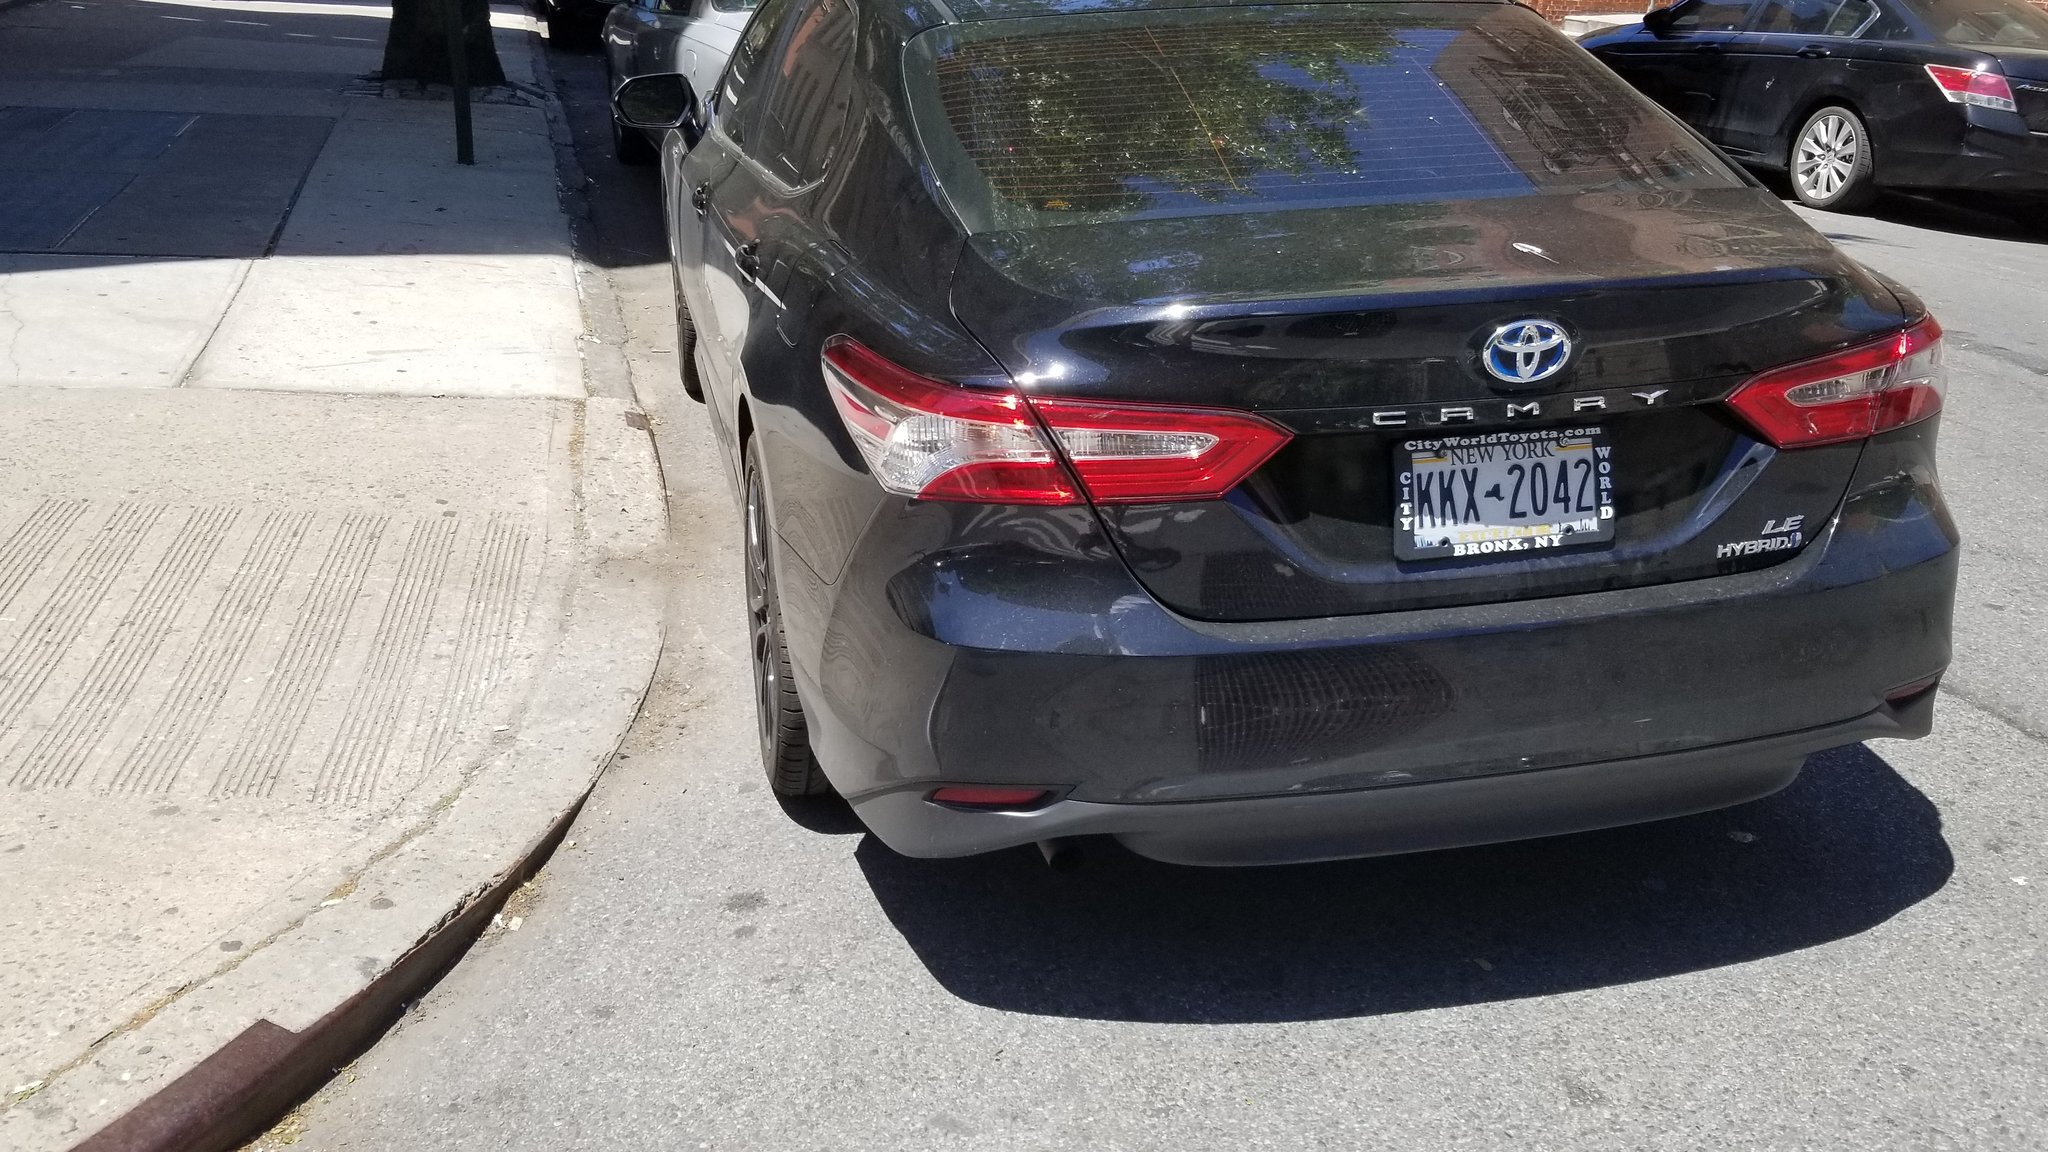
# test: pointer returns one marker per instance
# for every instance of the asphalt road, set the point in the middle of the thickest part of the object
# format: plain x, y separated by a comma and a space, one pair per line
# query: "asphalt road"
1857, 962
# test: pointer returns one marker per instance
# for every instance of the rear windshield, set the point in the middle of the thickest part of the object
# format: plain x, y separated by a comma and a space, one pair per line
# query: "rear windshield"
2000, 23
1169, 113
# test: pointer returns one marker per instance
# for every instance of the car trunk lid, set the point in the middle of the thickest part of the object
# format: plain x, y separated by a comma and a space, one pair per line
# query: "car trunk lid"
2027, 72
1360, 329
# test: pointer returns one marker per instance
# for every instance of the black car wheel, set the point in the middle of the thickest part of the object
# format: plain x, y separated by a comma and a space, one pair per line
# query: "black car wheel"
631, 146
1831, 163
785, 736
568, 30
686, 340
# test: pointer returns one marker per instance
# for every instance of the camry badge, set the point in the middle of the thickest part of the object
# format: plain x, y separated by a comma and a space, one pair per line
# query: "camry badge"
1526, 351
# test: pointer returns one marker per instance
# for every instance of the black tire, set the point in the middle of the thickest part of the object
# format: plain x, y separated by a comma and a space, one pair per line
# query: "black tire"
631, 146
785, 735
1831, 161
562, 29
686, 340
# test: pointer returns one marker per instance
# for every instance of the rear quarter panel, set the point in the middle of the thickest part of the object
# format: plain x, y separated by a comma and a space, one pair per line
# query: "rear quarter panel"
1912, 127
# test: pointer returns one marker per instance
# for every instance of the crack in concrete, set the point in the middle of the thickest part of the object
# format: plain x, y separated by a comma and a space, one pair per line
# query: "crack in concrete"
2000, 713
2011, 358
13, 338
234, 295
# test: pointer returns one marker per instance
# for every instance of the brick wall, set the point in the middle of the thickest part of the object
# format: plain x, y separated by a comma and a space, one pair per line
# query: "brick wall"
1559, 9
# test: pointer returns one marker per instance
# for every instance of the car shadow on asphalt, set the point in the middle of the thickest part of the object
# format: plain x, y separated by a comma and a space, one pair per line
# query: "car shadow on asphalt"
1847, 846
1960, 214
1984, 218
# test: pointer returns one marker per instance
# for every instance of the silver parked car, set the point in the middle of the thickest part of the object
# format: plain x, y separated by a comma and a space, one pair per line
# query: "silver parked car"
693, 37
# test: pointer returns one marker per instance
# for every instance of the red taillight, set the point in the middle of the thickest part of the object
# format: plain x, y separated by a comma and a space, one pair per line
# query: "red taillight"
987, 796
1851, 394
937, 441
1971, 86
1132, 455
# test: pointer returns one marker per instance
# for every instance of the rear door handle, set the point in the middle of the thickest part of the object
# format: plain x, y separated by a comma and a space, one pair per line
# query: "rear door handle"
1815, 52
700, 198
748, 258
1708, 49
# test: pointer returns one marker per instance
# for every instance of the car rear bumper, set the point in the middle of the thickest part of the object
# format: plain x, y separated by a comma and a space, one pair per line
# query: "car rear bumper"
1985, 161
1038, 660
1403, 818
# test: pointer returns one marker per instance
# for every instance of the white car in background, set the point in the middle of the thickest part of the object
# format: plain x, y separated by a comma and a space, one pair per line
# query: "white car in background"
693, 37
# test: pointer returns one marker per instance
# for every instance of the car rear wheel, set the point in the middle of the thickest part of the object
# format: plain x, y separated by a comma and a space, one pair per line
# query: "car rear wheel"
686, 340
785, 735
1831, 163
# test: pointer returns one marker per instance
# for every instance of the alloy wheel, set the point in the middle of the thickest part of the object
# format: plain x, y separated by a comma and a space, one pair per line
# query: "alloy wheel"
1827, 156
761, 617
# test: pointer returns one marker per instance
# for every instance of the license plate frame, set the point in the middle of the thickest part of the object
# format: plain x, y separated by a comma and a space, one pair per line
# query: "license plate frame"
1477, 473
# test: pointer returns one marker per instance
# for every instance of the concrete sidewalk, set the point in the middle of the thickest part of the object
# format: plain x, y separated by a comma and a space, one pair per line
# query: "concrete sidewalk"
324, 561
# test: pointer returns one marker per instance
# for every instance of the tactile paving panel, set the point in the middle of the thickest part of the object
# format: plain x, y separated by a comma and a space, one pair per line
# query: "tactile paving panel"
238, 651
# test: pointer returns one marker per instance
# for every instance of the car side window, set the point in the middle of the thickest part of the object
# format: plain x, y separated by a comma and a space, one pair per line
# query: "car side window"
1889, 25
1851, 18
736, 99
1709, 16
808, 86
1816, 17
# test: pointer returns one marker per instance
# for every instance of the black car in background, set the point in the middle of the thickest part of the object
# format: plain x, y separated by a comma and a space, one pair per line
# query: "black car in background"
574, 24
1282, 432
1851, 96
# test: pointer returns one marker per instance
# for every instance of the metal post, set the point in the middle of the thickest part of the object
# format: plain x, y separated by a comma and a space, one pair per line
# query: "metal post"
458, 80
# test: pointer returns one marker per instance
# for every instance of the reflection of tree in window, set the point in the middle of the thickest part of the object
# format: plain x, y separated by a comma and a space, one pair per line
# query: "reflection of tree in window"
1088, 121
1279, 108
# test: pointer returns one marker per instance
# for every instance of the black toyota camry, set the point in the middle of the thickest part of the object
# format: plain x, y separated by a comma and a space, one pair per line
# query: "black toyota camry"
1283, 432
1852, 96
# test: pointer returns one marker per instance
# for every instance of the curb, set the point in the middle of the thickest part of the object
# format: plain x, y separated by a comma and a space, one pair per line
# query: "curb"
177, 1077
325, 977
605, 370
237, 1093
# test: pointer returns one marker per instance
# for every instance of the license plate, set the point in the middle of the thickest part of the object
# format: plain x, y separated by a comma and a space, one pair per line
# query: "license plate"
1503, 493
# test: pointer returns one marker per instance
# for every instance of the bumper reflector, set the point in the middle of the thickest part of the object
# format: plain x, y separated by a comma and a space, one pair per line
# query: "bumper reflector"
1906, 692
988, 797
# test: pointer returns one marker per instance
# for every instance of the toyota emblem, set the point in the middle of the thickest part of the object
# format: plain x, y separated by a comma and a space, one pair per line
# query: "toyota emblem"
1526, 351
